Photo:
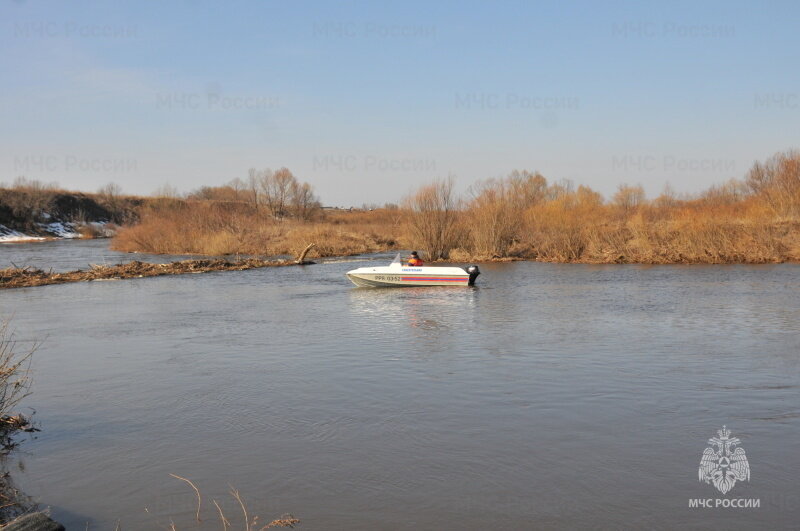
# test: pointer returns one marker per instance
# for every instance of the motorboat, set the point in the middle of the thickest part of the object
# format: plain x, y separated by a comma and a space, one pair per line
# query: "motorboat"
397, 274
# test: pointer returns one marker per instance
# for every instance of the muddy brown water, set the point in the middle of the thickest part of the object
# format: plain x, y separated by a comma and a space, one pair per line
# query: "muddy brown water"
549, 397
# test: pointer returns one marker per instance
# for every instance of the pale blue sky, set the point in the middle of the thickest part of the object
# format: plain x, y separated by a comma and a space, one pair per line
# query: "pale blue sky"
366, 100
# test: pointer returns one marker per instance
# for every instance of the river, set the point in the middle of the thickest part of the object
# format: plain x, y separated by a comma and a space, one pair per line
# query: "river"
548, 397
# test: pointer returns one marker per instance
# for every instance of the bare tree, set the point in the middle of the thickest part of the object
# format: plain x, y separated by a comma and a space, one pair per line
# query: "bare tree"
496, 214
629, 198
668, 197
527, 188
239, 188
280, 191
434, 218
559, 189
727, 193
253, 185
276, 189
304, 202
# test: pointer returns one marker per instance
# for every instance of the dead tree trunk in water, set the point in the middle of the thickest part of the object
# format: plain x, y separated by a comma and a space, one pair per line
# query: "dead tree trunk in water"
302, 258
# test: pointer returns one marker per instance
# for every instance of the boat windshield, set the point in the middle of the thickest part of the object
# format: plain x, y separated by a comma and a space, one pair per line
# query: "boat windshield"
397, 260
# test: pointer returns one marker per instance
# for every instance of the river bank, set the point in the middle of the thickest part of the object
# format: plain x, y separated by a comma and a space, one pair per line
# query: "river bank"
31, 276
58, 230
32, 210
646, 238
24, 277
519, 217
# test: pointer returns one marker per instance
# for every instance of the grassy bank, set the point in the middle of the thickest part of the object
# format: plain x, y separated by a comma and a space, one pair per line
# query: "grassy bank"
212, 227
31, 209
522, 216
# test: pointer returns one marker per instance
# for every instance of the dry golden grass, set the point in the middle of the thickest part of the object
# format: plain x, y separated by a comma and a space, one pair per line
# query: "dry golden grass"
220, 228
751, 221
692, 233
26, 203
520, 217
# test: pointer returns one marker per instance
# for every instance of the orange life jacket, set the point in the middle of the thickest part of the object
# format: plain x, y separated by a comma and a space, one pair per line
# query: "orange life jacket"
415, 262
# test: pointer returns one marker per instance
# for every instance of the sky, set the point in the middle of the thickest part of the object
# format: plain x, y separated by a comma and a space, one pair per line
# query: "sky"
368, 100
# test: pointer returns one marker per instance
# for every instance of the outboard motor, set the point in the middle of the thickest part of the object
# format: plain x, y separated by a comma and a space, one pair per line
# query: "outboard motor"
473, 274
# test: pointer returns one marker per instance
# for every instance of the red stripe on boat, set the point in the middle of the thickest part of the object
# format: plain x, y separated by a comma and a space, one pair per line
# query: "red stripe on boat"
456, 279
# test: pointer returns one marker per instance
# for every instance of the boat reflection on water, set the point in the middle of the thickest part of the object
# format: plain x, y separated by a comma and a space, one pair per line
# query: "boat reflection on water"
422, 311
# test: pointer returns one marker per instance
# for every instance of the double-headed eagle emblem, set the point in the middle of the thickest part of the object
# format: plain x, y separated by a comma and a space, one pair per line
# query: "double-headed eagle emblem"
723, 465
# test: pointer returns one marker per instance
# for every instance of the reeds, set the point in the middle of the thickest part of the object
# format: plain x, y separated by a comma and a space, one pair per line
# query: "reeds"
249, 522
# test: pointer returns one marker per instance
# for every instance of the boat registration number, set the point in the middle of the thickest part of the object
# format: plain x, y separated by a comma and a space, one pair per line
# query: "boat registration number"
390, 278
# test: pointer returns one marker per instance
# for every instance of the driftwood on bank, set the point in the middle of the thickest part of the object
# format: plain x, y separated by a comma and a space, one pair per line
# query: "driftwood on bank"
301, 260
22, 277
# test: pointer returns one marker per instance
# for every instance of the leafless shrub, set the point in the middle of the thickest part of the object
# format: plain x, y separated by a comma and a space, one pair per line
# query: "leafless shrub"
434, 219
528, 188
281, 192
304, 203
778, 181
495, 215
628, 198
15, 385
559, 189
667, 199
14, 371
13, 502
227, 193
562, 228
728, 193
110, 196
110, 192
29, 200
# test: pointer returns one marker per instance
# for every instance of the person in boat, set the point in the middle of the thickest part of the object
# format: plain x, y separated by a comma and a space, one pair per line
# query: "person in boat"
414, 260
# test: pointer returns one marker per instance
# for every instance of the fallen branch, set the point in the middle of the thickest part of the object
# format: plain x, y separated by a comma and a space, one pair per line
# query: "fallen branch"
17, 277
301, 260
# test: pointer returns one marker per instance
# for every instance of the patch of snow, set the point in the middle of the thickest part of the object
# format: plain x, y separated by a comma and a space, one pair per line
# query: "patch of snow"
9, 236
58, 229
61, 229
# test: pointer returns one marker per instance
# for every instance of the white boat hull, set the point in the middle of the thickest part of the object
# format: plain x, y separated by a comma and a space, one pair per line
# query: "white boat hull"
398, 275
